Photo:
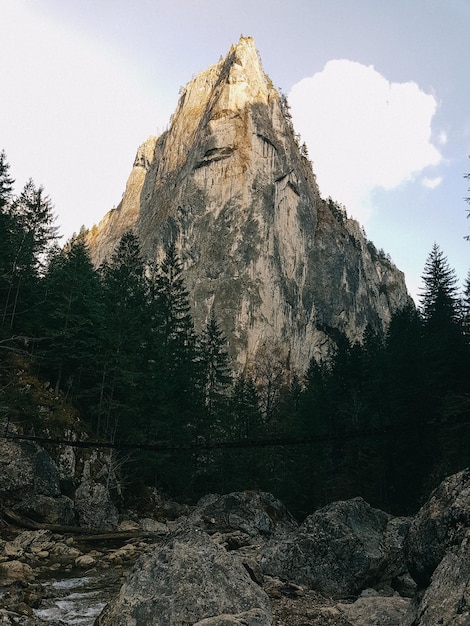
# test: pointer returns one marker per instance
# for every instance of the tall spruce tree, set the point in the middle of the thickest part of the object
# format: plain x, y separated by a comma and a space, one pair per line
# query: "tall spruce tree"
445, 345
7, 235
174, 308
125, 333
177, 333
439, 298
242, 468
72, 321
34, 233
175, 399
246, 418
6, 183
465, 311
215, 371
410, 447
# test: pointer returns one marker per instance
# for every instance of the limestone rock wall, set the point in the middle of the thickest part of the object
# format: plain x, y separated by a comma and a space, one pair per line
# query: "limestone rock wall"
229, 182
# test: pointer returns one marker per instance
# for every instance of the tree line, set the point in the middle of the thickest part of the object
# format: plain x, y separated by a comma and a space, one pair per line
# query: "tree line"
384, 419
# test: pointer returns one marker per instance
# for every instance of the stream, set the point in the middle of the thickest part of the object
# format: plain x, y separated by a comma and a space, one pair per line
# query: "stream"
76, 600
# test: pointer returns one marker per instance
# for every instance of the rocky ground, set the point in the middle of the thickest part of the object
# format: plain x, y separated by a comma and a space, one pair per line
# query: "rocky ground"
31, 558
241, 559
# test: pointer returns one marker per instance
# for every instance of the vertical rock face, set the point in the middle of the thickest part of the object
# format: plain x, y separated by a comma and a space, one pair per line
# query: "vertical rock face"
229, 183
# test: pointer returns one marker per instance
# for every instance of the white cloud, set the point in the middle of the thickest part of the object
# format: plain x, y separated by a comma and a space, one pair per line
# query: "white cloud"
442, 139
431, 183
362, 131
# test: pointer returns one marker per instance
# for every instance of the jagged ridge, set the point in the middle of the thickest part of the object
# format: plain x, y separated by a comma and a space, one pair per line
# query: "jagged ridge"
229, 183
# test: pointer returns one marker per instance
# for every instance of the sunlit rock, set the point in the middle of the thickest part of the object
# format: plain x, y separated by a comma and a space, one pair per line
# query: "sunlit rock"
231, 184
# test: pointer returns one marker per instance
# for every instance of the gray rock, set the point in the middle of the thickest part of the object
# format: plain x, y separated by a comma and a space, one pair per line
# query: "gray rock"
45, 509
26, 469
393, 541
405, 586
31, 540
94, 506
85, 561
16, 570
257, 514
439, 524
375, 610
186, 579
128, 524
447, 599
339, 550
150, 525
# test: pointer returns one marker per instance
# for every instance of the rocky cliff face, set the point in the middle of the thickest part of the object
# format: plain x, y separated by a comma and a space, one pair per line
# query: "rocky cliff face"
230, 184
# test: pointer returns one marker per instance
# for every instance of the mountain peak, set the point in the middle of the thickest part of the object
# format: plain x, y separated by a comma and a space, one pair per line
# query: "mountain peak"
235, 82
245, 55
229, 183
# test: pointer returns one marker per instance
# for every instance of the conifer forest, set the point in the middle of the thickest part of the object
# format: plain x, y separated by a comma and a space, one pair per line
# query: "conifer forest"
112, 355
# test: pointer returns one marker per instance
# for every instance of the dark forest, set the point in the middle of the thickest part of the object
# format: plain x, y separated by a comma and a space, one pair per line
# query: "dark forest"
111, 354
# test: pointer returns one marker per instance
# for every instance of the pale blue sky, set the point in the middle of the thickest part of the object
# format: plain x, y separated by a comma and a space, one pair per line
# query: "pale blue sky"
84, 82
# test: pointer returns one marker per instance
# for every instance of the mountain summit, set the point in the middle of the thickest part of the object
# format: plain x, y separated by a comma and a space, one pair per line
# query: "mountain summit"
230, 184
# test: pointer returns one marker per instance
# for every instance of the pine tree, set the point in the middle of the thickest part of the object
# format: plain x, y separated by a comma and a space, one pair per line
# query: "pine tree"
7, 234
72, 321
173, 398
6, 183
465, 308
313, 402
405, 366
125, 333
176, 334
410, 447
439, 300
34, 233
215, 369
445, 345
242, 468
246, 418
174, 309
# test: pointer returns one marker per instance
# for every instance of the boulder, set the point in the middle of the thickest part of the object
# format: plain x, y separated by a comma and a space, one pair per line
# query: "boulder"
186, 579
149, 525
374, 610
63, 550
128, 525
33, 541
447, 599
339, 550
393, 540
27, 469
257, 514
440, 523
94, 506
16, 570
47, 510
85, 561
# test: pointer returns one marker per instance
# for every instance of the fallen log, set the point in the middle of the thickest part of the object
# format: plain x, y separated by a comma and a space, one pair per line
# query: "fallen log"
86, 534
30, 524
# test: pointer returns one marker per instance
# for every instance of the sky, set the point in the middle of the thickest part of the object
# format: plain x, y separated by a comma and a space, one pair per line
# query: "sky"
379, 93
